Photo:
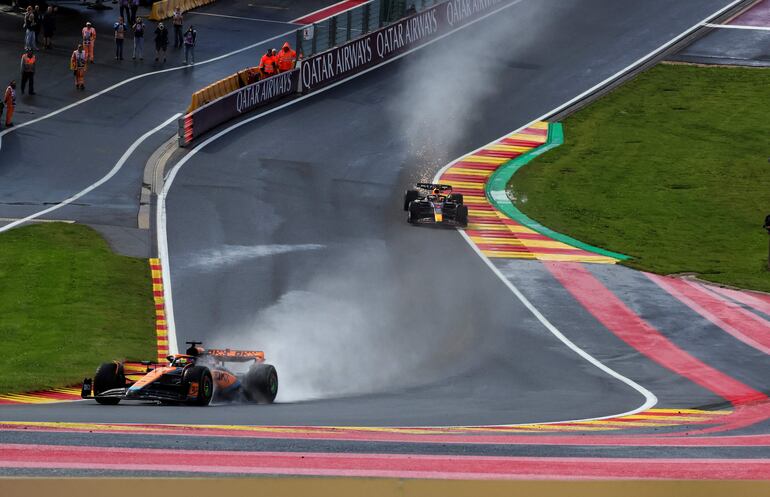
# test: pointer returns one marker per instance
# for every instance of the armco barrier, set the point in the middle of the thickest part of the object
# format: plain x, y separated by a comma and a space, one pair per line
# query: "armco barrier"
232, 105
165, 8
336, 63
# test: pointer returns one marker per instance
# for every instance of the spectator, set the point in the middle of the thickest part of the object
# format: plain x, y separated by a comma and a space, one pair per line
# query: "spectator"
125, 10
38, 23
49, 26
177, 22
9, 100
29, 29
287, 58
89, 40
189, 45
120, 35
78, 64
161, 41
28, 71
134, 8
138, 29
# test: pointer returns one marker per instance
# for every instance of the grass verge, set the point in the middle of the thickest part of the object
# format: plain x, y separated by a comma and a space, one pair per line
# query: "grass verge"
671, 169
68, 303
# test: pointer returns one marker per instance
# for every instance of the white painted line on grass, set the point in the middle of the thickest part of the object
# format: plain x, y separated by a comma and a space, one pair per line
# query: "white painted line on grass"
737, 26
256, 19
66, 221
117, 167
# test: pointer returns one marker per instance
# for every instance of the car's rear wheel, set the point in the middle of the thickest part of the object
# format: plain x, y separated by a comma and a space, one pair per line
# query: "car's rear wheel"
205, 389
261, 383
108, 376
409, 196
462, 215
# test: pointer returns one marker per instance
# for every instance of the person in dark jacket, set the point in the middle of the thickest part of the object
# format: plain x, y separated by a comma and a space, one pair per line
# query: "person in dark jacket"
161, 41
189, 45
38, 24
49, 26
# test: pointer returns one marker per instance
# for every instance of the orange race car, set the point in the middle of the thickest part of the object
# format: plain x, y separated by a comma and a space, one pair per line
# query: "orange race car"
193, 378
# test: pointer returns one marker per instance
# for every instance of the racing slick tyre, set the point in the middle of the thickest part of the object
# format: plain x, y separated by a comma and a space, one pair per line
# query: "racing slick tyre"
202, 376
261, 383
456, 198
413, 215
409, 196
462, 215
108, 376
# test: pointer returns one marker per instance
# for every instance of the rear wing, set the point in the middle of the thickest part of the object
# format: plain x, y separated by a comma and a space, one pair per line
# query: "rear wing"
230, 355
432, 186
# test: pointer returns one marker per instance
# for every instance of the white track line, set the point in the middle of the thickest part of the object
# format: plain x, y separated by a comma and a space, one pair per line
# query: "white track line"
295, 21
134, 78
163, 253
118, 165
650, 400
737, 26
238, 17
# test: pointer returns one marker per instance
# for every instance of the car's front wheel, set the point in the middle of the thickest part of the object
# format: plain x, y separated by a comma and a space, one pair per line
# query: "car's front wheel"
108, 376
198, 385
409, 196
462, 215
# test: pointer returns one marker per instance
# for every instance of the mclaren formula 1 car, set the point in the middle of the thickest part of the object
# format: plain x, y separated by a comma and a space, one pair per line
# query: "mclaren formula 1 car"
439, 205
193, 378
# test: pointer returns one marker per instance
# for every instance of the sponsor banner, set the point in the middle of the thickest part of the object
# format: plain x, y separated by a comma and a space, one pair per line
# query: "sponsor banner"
239, 102
399, 37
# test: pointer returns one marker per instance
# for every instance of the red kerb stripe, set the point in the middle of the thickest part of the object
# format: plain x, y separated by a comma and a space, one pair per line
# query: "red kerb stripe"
639, 334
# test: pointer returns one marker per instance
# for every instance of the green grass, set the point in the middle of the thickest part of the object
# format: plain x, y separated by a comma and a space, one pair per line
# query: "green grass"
68, 303
671, 169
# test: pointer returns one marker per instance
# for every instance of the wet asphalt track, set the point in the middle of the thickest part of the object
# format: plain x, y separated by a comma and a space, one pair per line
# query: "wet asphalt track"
287, 235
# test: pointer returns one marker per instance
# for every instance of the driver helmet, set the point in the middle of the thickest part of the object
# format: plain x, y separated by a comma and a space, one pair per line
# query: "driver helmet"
181, 361
436, 191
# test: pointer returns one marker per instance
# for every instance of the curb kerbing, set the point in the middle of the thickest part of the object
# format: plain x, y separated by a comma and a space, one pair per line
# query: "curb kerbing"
491, 227
497, 194
161, 329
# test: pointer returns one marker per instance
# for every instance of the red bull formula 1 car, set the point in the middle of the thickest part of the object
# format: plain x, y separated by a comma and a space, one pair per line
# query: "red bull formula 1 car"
439, 206
193, 378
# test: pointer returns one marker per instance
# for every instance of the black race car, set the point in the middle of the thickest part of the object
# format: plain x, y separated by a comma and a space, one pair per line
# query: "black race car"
438, 205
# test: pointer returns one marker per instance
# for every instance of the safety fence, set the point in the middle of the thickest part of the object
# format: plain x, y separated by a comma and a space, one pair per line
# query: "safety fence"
354, 23
231, 97
165, 8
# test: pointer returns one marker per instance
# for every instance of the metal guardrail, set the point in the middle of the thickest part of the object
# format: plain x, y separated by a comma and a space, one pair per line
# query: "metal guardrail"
354, 23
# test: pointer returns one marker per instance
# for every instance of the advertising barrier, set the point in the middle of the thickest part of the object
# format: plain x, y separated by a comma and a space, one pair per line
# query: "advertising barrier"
234, 104
369, 50
337, 63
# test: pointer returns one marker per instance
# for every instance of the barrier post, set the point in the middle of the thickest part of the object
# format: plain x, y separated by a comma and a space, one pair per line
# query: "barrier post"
313, 43
365, 22
350, 21
332, 32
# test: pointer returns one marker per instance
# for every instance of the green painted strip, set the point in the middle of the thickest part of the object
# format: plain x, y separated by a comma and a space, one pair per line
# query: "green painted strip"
496, 193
